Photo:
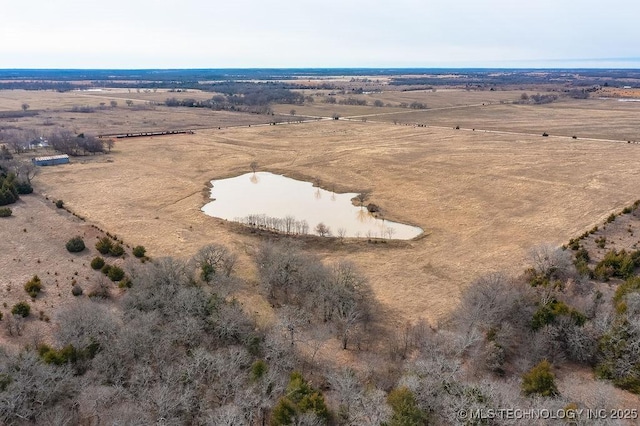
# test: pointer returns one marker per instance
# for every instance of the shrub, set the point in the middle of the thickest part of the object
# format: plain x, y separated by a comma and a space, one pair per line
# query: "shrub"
581, 262
619, 264
105, 269
116, 250
283, 413
300, 398
97, 263
582, 255
611, 218
405, 408
139, 251
5, 212
33, 286
0, 320
99, 290
619, 358
547, 314
630, 286
258, 370
125, 283
574, 244
583, 269
24, 188
540, 380
75, 245
115, 273
59, 204
104, 245
58, 357
21, 308
76, 290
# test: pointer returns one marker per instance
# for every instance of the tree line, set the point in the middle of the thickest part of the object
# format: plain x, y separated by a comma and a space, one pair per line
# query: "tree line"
62, 140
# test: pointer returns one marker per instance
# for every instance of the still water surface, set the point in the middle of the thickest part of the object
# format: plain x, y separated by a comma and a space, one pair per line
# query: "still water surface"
269, 198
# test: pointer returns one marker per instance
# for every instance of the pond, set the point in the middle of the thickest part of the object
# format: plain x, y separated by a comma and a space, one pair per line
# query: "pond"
290, 206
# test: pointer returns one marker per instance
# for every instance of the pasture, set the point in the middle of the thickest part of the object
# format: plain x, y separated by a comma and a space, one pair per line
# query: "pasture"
483, 198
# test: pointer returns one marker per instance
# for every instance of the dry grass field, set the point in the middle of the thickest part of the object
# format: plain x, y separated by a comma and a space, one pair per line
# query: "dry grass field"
33, 243
12, 100
55, 110
484, 199
592, 118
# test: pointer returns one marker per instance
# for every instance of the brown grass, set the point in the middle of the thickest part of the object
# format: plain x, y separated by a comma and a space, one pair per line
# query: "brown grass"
33, 243
595, 118
54, 110
483, 198
12, 100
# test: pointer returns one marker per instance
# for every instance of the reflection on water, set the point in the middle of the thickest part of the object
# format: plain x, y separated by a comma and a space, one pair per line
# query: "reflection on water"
267, 200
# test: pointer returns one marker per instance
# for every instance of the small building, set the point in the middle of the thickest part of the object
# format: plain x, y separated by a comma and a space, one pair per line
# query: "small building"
52, 160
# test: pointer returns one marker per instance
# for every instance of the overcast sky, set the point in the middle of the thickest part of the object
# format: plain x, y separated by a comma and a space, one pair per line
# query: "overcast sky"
320, 33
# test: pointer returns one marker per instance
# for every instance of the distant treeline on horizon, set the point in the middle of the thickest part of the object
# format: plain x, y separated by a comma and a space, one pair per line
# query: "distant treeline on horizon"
209, 79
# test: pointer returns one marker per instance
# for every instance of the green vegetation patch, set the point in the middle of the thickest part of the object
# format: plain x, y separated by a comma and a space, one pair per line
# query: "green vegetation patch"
33, 286
549, 312
540, 380
75, 245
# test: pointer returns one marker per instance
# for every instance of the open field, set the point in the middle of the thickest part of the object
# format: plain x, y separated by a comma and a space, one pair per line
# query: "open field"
441, 98
602, 119
12, 100
484, 199
139, 117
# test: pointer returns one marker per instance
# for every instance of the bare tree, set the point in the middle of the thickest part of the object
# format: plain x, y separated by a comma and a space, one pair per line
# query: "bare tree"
489, 301
5, 154
19, 140
389, 232
214, 259
84, 324
113, 104
551, 262
25, 106
14, 324
254, 166
65, 141
292, 322
33, 388
289, 223
351, 301
27, 171
322, 230
363, 196
24, 170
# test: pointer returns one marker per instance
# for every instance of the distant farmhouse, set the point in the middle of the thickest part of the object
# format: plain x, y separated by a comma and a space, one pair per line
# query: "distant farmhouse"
38, 143
52, 160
